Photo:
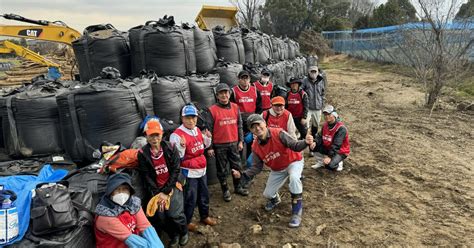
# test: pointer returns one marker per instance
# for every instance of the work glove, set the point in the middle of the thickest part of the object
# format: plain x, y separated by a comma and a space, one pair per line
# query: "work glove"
135, 241
156, 204
152, 237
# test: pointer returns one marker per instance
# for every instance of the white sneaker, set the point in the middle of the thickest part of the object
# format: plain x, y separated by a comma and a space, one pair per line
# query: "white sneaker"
318, 164
340, 166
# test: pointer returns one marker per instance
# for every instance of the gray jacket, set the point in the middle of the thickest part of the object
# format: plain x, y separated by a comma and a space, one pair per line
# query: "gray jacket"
315, 91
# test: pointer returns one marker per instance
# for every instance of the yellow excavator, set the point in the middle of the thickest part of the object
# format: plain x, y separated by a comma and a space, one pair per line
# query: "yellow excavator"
43, 30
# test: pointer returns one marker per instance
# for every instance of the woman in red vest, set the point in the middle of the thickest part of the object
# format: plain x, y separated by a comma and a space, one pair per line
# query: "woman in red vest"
333, 142
191, 143
265, 87
159, 167
282, 153
297, 103
120, 221
279, 117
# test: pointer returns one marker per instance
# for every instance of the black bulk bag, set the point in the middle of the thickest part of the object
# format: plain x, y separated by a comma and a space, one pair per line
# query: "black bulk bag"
30, 119
278, 73
228, 72
229, 44
291, 48
107, 108
101, 46
163, 47
267, 44
255, 49
202, 88
254, 70
170, 94
312, 60
205, 50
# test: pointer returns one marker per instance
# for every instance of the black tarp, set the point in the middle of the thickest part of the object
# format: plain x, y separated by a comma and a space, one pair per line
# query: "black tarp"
202, 88
30, 118
101, 46
229, 44
163, 47
106, 109
205, 50
170, 94
278, 73
228, 72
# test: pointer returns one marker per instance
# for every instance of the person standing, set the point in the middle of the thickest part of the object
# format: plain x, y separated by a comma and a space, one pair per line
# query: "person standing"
265, 87
315, 86
159, 166
297, 103
191, 143
225, 124
282, 153
333, 142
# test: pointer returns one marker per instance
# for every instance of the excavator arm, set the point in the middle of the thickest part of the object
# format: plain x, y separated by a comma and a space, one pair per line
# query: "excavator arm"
44, 30
10, 47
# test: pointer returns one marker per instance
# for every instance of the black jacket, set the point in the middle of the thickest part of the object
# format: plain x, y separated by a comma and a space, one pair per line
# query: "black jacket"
147, 171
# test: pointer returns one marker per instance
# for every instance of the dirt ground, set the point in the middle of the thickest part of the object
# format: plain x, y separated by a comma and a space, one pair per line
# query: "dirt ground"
408, 181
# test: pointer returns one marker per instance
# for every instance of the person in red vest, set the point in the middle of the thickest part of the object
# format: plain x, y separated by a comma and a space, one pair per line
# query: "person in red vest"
297, 103
249, 100
120, 221
333, 142
279, 117
159, 167
191, 143
265, 87
282, 153
225, 124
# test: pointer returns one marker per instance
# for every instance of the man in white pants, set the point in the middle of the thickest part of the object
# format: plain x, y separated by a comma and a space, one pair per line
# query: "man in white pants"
282, 153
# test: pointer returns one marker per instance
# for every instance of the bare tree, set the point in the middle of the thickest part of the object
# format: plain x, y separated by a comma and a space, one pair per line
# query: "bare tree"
248, 11
438, 49
360, 8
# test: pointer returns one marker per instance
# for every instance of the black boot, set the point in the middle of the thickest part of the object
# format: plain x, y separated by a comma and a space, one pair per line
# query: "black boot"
225, 192
238, 189
296, 210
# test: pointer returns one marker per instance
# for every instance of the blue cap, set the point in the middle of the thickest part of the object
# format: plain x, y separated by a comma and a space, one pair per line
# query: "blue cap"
189, 110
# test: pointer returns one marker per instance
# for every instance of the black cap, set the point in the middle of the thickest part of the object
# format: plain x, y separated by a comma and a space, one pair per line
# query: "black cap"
253, 119
294, 80
244, 73
220, 87
266, 71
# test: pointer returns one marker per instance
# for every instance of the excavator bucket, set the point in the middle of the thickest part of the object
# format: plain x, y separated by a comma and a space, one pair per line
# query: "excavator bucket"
211, 16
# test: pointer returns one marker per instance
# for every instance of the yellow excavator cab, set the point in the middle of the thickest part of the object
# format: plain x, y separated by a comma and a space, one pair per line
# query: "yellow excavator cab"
211, 16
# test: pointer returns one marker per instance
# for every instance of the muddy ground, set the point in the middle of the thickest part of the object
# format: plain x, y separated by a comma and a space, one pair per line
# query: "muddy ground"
408, 181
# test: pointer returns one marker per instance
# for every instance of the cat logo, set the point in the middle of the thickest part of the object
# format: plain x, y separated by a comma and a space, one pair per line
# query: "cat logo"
31, 32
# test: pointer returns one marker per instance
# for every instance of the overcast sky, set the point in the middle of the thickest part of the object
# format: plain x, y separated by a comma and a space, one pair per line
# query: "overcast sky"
123, 14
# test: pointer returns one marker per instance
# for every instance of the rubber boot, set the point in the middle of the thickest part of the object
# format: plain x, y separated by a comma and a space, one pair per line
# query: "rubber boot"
238, 189
225, 192
296, 210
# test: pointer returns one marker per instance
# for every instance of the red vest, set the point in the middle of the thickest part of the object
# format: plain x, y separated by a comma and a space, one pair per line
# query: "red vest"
162, 173
226, 127
274, 154
105, 240
246, 100
277, 121
295, 104
328, 136
194, 154
266, 93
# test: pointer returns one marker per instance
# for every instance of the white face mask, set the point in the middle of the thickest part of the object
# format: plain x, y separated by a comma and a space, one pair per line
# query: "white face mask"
120, 198
313, 75
265, 79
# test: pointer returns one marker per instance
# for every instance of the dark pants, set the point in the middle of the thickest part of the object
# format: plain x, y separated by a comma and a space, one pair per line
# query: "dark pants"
173, 220
334, 159
302, 129
196, 192
227, 158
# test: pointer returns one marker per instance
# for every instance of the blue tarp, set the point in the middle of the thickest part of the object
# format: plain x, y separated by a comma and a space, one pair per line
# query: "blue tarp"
22, 186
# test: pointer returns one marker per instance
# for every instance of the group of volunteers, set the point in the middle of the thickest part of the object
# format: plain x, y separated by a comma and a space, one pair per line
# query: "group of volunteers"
247, 122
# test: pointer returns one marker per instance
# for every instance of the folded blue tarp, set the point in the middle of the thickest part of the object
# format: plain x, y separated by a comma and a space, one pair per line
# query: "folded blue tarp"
22, 186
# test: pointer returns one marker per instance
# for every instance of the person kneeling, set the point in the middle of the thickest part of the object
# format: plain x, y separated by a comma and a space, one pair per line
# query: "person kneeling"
120, 220
333, 143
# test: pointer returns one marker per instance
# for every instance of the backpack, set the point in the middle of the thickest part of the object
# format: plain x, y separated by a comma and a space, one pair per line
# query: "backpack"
52, 209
